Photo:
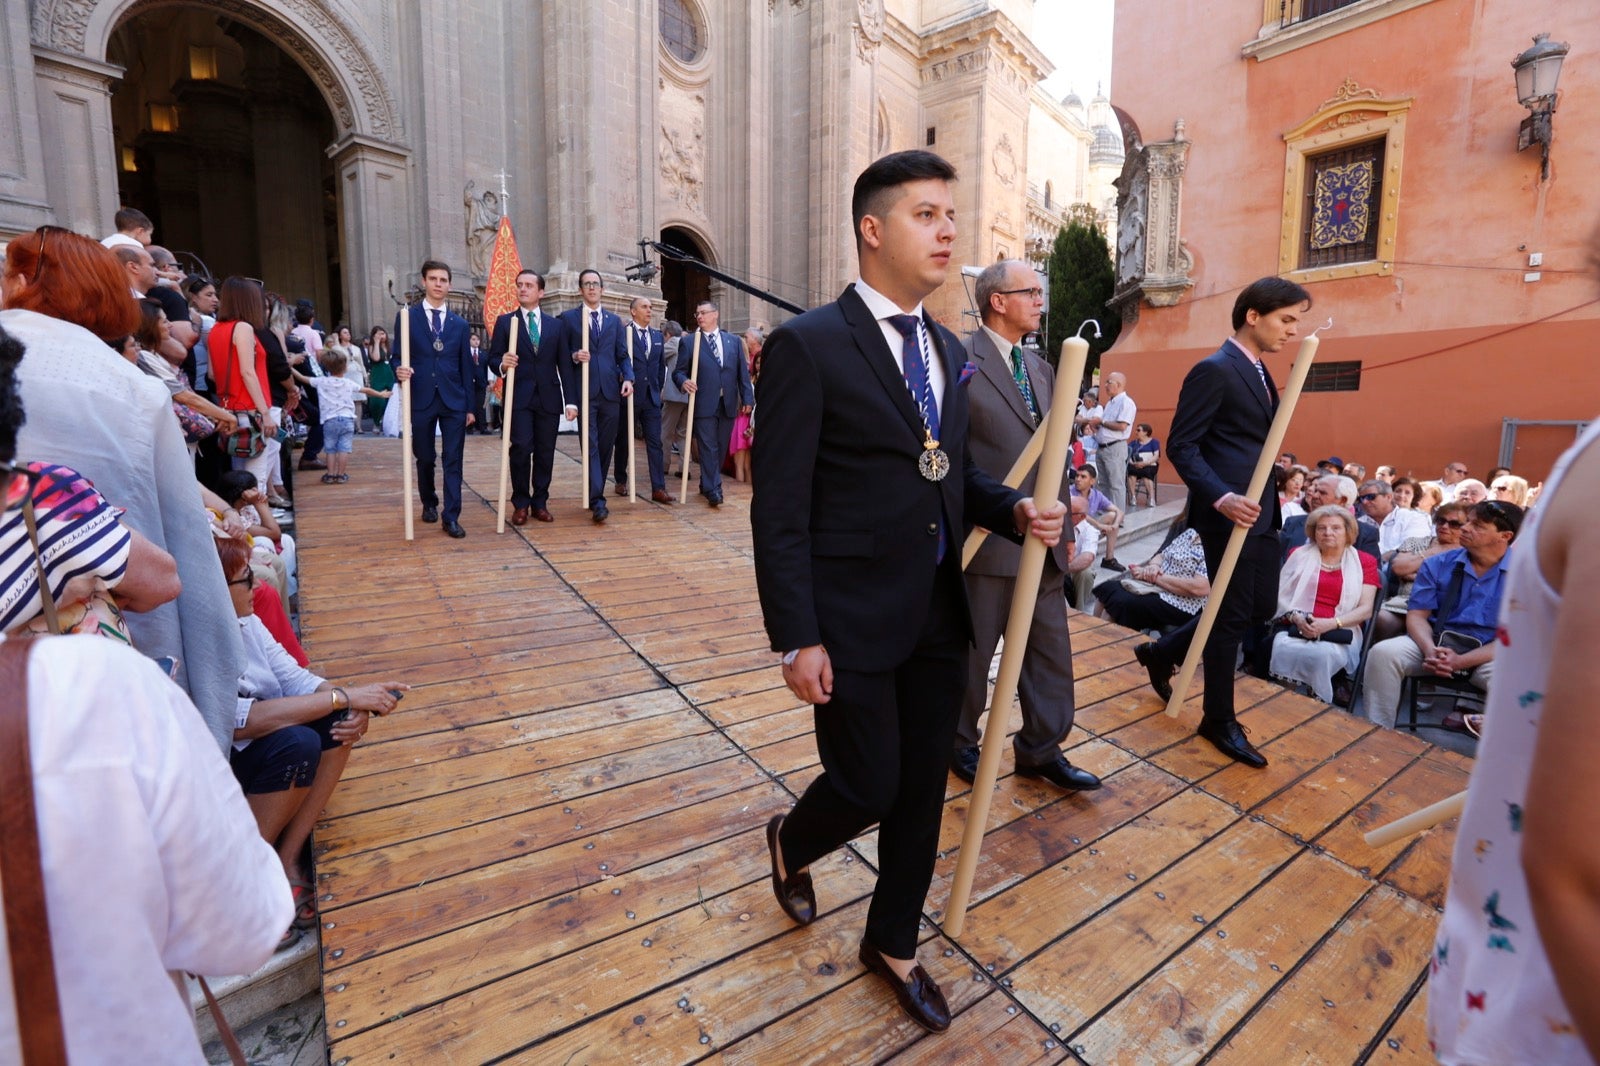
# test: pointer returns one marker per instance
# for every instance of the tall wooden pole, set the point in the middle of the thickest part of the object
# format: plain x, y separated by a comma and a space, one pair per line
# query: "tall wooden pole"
407, 463
1230, 555
1014, 476
583, 413
506, 393
1024, 599
688, 430
1417, 821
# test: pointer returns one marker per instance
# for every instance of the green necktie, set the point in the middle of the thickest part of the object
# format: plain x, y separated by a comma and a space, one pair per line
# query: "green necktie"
533, 327
1021, 374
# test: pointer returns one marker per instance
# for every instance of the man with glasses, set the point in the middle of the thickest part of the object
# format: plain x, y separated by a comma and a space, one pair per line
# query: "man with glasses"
1325, 491
1396, 525
610, 380
1453, 475
722, 390
1451, 617
1007, 396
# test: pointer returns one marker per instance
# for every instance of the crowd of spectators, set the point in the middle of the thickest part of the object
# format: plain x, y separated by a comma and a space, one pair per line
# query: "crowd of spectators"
148, 501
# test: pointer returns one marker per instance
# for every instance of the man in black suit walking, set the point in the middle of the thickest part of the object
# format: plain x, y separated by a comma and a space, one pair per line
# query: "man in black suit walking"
610, 379
864, 488
441, 392
722, 390
1224, 412
646, 349
480, 381
546, 389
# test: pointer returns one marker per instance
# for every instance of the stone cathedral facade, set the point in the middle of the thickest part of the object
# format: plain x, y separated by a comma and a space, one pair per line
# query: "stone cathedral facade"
328, 146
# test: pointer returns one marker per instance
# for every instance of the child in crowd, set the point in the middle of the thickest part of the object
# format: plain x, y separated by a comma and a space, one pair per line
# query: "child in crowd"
337, 394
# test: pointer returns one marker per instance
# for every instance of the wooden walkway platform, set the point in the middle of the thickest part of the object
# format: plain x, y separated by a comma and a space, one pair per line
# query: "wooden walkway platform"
553, 853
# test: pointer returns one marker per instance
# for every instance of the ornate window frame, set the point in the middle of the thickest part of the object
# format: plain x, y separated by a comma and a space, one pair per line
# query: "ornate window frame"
1283, 29
695, 13
1352, 114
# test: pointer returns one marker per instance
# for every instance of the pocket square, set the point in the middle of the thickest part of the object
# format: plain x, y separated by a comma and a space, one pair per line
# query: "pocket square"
967, 370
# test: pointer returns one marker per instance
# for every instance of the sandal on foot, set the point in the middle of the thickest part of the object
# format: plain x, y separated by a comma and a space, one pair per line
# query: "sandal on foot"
291, 937
343, 478
329, 479
305, 904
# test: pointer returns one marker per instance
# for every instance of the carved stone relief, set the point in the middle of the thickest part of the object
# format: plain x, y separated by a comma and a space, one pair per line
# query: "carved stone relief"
483, 221
1004, 161
62, 25
683, 152
1167, 262
868, 28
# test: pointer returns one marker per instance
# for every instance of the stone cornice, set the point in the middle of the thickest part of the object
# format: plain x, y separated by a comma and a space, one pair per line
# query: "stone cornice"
79, 69
994, 29
1275, 41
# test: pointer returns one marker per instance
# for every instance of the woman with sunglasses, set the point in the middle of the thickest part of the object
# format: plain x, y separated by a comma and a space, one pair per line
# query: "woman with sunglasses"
1509, 488
65, 296
1448, 519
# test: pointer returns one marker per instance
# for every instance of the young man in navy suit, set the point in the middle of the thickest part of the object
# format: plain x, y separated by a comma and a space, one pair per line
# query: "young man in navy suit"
1224, 412
646, 348
441, 392
864, 488
546, 388
722, 391
610, 379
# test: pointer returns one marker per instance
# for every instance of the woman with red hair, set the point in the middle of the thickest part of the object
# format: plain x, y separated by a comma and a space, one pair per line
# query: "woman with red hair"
88, 409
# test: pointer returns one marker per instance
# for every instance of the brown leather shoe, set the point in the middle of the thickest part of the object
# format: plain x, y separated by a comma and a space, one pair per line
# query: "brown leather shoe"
919, 997
541, 515
795, 893
519, 517
621, 489
660, 496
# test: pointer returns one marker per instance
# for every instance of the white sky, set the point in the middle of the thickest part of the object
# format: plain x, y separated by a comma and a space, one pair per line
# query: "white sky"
1076, 35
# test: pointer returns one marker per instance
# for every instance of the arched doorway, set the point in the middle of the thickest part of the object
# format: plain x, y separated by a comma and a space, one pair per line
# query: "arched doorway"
683, 287
221, 139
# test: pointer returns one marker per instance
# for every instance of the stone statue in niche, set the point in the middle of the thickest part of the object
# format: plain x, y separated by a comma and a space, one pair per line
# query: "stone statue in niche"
1133, 189
483, 221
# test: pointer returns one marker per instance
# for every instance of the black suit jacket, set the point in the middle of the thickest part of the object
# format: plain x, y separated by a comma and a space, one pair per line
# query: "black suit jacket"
480, 368
730, 381
547, 378
1218, 431
1294, 535
609, 365
649, 365
846, 528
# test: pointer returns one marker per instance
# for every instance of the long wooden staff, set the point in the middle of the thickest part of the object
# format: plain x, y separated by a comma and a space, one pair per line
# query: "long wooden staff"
506, 392
688, 429
1417, 821
633, 473
1024, 600
1258, 484
407, 470
583, 413
1014, 476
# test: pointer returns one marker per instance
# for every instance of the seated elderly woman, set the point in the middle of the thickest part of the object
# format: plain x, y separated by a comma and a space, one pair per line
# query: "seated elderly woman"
1166, 591
292, 735
1509, 488
1430, 494
1471, 491
1325, 592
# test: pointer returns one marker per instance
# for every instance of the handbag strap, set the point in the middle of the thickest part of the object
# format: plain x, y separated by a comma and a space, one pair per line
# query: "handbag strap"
224, 1030
45, 596
33, 970
1452, 597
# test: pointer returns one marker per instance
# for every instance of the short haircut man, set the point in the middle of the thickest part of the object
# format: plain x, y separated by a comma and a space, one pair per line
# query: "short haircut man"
1219, 430
722, 391
441, 392
610, 380
857, 550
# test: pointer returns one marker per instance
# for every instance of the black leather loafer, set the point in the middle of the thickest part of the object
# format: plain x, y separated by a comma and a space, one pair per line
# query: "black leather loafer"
454, 529
964, 763
795, 893
1061, 774
1160, 673
919, 996
430, 514
1229, 738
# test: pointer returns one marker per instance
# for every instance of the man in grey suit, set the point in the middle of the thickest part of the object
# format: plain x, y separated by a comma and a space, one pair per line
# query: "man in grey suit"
1007, 394
722, 390
674, 401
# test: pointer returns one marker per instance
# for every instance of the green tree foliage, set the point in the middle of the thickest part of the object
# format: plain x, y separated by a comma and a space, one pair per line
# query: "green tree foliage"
1081, 279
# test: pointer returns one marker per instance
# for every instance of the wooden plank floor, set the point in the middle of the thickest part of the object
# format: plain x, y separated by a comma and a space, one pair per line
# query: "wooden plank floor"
554, 852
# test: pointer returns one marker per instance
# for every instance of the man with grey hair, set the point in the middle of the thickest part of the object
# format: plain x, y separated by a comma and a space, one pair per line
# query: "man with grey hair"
1321, 492
1007, 396
1112, 431
1396, 525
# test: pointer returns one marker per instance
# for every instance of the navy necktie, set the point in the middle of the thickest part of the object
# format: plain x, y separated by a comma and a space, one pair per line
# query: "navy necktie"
594, 323
438, 322
915, 371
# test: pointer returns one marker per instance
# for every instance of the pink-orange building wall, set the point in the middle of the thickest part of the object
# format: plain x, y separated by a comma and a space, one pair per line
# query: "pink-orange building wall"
1454, 340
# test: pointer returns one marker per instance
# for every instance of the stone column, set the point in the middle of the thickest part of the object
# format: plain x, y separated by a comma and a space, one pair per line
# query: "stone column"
845, 36
375, 227
73, 94
219, 180
23, 198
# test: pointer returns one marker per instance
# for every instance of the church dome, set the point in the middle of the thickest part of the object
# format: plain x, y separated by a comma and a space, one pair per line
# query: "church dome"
1107, 147
1072, 100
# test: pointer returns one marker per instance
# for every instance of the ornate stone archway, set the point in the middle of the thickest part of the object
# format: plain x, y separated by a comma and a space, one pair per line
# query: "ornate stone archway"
73, 84
332, 50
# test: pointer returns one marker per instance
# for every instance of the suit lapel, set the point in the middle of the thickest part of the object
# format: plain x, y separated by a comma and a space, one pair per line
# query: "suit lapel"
996, 366
870, 342
1251, 378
